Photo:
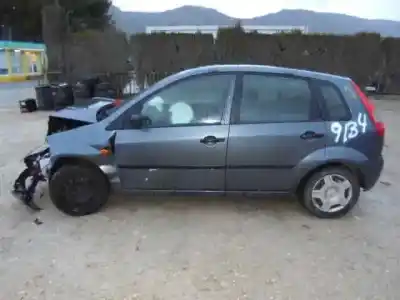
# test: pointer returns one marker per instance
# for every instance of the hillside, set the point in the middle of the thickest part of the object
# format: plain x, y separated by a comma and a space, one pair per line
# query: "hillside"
132, 22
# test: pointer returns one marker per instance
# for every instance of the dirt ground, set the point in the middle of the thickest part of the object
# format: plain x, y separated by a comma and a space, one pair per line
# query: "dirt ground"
10, 92
182, 248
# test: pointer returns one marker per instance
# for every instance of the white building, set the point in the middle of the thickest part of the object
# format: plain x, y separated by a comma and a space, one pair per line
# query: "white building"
213, 29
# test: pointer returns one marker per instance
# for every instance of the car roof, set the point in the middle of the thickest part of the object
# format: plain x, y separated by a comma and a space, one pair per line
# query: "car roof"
261, 69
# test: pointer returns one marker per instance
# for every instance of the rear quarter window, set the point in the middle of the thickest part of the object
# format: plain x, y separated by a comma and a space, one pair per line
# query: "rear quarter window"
351, 94
333, 102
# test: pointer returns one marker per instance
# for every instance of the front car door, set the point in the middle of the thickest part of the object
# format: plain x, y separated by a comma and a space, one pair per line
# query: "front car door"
275, 126
184, 147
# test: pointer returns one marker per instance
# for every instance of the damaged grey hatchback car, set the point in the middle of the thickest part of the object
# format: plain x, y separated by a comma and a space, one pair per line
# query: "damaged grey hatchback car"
223, 129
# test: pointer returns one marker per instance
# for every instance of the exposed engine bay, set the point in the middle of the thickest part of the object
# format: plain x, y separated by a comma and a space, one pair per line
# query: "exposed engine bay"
37, 161
74, 117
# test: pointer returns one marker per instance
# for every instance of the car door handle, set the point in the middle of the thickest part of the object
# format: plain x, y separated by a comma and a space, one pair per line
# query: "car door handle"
309, 135
210, 140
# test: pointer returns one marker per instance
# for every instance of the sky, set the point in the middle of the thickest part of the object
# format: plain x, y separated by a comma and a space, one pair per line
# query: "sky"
372, 9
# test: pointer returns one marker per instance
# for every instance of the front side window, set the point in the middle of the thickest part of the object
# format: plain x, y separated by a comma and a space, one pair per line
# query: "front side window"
273, 98
195, 101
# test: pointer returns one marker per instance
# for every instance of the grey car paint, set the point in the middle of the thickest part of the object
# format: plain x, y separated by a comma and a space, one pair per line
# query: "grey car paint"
254, 157
276, 151
86, 113
83, 142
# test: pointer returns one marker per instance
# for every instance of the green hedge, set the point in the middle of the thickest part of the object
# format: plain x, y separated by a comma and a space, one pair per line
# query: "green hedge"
362, 56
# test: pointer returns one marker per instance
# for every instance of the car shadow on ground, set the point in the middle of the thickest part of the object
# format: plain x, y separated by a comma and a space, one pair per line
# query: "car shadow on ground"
277, 207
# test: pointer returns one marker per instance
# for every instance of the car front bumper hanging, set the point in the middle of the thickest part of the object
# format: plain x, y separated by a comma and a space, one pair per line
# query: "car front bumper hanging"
36, 170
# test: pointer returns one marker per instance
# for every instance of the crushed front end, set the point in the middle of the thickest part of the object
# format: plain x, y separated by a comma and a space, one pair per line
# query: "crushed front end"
70, 119
37, 163
36, 170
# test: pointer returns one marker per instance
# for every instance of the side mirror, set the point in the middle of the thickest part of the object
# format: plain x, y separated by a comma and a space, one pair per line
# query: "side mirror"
140, 121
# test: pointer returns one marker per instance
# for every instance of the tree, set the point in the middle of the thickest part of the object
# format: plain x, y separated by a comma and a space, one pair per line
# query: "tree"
238, 24
87, 14
237, 27
22, 19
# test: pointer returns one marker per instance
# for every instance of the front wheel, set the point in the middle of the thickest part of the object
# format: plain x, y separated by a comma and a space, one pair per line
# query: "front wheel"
79, 190
331, 192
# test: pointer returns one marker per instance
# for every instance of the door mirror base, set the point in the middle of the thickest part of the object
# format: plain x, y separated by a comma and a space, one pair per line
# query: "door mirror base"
140, 121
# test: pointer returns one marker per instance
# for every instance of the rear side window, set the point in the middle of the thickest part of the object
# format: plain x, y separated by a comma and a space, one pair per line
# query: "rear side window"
333, 104
273, 98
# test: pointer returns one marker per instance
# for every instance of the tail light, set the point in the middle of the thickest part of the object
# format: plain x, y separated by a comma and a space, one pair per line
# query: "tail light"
117, 102
370, 108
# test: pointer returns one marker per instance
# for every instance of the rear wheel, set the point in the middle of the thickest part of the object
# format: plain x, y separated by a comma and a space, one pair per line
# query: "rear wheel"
331, 192
79, 190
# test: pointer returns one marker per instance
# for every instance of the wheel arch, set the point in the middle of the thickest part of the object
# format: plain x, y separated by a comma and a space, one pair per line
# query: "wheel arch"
75, 161
330, 164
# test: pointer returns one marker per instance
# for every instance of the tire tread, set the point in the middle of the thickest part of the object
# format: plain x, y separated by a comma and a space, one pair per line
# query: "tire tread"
68, 171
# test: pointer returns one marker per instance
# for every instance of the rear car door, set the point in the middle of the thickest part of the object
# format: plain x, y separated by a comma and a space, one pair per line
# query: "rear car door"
275, 126
184, 147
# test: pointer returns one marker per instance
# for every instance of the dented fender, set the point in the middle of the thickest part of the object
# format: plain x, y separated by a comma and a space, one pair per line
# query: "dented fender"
84, 143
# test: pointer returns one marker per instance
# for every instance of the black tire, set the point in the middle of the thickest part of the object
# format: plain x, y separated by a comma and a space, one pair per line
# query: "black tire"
307, 199
79, 190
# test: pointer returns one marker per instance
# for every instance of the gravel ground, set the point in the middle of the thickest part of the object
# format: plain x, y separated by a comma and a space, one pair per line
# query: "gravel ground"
184, 248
